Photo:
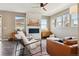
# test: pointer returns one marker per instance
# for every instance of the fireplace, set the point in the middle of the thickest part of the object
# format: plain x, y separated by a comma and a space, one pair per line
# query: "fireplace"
33, 30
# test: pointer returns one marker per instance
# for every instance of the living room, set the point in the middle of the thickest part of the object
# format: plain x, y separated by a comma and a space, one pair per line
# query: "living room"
53, 27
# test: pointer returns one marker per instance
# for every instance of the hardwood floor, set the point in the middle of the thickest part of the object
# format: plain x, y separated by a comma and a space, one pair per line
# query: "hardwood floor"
8, 48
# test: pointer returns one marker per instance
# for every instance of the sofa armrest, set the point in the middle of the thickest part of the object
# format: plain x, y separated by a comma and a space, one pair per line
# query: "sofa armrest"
75, 45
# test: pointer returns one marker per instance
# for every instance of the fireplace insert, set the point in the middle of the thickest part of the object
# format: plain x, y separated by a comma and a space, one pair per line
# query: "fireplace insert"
33, 30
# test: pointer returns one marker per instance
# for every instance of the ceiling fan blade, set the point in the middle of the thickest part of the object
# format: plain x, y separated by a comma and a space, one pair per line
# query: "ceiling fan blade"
44, 9
42, 5
45, 4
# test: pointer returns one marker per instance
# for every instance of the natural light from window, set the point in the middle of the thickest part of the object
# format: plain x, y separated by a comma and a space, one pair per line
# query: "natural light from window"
43, 24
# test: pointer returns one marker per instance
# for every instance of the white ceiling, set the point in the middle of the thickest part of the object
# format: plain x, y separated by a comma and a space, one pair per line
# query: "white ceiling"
52, 8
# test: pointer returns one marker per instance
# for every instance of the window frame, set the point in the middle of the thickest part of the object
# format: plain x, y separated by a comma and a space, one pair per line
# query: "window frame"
23, 24
43, 24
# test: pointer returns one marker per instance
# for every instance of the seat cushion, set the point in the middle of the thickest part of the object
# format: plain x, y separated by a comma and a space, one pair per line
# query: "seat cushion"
70, 42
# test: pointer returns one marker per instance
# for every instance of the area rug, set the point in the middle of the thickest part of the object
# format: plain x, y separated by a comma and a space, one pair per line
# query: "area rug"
37, 51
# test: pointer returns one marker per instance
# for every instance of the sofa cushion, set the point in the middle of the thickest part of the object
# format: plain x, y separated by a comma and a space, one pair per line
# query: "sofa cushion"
70, 42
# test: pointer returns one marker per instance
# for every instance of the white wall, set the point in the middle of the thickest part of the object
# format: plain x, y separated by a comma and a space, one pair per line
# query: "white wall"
64, 31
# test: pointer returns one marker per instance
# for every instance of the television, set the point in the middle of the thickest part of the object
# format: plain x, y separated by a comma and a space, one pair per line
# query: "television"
33, 30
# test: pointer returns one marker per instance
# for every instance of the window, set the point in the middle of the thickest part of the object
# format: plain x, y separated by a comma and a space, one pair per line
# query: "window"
59, 21
66, 20
62, 19
19, 22
43, 24
74, 21
53, 22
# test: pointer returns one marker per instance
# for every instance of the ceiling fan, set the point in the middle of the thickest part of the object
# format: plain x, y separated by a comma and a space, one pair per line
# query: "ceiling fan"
42, 5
